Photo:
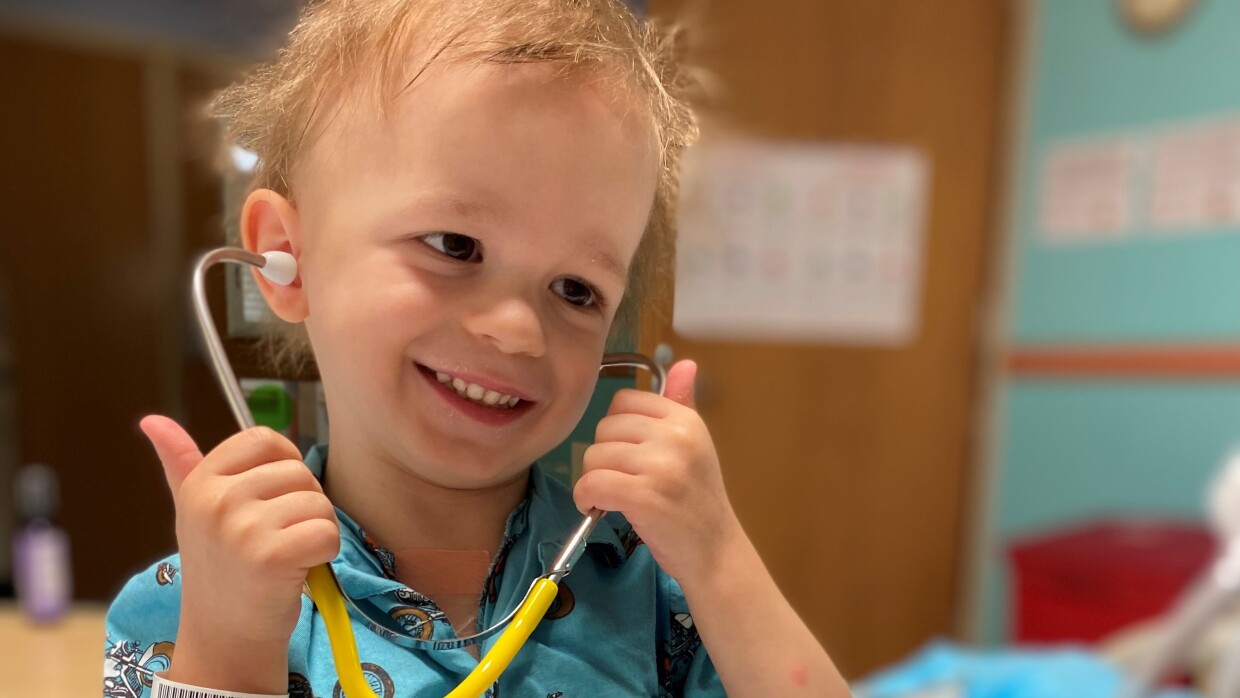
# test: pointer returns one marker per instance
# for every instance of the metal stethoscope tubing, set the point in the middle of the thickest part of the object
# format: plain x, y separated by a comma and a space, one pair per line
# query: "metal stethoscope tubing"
324, 588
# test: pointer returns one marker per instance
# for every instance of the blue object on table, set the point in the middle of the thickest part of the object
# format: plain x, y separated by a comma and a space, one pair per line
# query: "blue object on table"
945, 669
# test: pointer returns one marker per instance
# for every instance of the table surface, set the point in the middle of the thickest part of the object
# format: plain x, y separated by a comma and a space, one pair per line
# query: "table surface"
61, 659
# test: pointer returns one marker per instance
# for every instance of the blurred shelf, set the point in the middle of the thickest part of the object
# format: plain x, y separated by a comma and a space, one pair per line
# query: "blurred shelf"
61, 659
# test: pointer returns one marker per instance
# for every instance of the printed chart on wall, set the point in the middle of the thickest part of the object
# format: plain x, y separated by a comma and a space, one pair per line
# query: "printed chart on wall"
1164, 180
782, 241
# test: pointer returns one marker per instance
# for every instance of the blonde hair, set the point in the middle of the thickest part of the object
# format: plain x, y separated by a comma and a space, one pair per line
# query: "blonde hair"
347, 44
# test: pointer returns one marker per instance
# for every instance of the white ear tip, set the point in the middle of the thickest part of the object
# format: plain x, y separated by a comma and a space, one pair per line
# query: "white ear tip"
281, 267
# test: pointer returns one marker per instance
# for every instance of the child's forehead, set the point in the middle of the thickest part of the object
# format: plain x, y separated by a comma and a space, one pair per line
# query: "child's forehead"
460, 100
365, 101
490, 147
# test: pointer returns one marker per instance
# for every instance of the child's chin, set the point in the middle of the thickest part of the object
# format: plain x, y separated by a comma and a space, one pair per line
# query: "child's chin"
464, 475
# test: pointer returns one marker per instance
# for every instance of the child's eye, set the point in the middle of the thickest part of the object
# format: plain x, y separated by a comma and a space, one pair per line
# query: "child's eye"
459, 247
577, 292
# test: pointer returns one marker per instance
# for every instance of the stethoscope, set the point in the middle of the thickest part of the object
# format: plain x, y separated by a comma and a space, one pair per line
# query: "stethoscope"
324, 588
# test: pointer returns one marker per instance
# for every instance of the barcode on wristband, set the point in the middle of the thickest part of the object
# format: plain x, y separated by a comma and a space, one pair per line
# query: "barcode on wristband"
170, 689
163, 690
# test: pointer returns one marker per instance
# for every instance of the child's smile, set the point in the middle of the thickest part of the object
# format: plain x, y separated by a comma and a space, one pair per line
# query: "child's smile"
485, 400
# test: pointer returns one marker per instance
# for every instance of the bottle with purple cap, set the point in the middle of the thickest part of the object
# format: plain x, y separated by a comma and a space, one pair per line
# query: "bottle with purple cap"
41, 567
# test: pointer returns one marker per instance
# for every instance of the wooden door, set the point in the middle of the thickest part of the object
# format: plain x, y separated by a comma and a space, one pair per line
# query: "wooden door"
76, 257
100, 324
849, 465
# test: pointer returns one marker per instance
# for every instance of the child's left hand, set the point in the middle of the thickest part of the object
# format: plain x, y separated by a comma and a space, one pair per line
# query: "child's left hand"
653, 460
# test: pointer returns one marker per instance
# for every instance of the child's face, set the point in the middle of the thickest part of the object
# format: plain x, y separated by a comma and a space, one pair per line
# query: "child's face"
483, 230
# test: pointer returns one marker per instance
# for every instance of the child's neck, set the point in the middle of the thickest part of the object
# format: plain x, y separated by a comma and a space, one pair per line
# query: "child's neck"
401, 511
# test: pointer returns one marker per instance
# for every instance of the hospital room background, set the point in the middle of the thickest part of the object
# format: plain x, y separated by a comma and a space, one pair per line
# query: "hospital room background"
962, 277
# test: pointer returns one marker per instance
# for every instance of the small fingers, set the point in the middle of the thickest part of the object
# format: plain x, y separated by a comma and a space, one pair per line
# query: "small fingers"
271, 480
680, 380
612, 455
630, 401
175, 448
609, 490
249, 449
307, 544
290, 509
625, 427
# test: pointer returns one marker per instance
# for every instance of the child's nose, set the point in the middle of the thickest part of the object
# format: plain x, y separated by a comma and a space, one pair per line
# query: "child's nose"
511, 324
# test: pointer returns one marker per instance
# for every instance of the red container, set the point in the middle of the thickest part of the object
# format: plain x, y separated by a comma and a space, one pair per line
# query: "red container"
1085, 583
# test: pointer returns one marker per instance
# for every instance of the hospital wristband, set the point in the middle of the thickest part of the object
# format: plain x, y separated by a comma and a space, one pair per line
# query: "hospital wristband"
163, 688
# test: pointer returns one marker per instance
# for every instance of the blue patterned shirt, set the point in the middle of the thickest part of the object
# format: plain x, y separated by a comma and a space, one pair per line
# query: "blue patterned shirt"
619, 627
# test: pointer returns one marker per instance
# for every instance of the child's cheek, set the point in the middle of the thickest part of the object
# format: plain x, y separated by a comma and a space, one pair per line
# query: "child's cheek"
574, 393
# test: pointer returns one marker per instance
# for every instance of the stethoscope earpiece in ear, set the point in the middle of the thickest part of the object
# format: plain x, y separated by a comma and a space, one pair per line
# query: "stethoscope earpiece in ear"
280, 267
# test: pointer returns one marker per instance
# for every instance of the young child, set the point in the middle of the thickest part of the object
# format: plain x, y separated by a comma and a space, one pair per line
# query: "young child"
468, 187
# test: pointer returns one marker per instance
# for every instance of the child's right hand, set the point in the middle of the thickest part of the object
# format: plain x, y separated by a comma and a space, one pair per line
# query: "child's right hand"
251, 521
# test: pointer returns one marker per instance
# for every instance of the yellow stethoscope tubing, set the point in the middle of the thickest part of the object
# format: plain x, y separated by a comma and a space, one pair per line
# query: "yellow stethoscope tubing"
506, 646
327, 598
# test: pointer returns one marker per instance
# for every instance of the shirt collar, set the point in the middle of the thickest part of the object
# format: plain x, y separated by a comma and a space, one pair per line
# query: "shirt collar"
365, 568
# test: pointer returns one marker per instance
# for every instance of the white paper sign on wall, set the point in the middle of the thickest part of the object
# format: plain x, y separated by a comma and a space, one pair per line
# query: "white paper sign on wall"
801, 242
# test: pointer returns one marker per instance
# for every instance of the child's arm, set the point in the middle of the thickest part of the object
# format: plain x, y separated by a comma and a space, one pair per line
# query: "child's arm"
653, 461
251, 521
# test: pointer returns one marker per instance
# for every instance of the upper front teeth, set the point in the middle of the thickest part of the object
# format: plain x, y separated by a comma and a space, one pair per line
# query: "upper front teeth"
476, 392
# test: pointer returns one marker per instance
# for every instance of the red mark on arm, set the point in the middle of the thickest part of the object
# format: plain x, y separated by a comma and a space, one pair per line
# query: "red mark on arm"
799, 676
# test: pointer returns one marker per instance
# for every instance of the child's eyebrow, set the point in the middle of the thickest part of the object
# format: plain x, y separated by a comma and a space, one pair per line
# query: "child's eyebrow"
465, 208
605, 259
470, 208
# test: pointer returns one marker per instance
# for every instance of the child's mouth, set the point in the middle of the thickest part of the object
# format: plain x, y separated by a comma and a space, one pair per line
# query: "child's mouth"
487, 406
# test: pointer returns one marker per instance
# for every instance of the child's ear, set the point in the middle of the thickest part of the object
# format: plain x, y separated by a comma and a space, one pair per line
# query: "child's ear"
269, 222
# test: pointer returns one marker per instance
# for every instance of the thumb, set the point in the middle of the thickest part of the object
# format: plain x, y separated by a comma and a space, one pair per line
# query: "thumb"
680, 379
176, 449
